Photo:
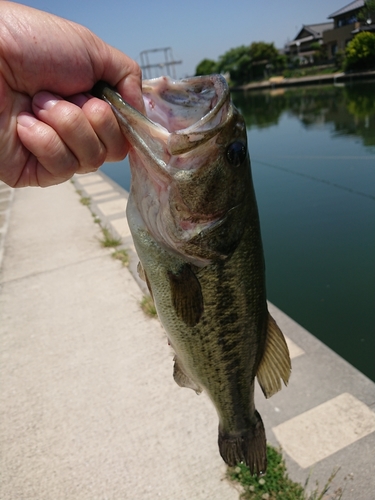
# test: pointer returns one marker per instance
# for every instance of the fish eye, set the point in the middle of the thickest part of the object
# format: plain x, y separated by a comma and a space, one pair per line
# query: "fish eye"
236, 153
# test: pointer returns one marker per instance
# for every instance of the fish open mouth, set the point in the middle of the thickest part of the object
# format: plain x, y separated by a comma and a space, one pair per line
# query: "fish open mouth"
191, 110
180, 115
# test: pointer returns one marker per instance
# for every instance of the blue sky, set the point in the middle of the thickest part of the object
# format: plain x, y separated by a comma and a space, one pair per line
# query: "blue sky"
195, 29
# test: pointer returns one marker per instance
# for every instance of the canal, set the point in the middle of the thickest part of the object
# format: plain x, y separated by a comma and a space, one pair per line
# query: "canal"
313, 160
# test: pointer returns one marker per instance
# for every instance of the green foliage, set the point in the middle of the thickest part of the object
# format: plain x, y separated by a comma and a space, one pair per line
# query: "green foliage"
367, 12
360, 52
245, 63
206, 67
276, 484
308, 71
148, 306
320, 52
85, 200
339, 59
108, 240
236, 62
260, 51
122, 256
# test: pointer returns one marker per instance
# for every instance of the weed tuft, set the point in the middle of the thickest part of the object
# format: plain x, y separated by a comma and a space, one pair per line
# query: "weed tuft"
148, 306
108, 240
122, 256
276, 484
85, 200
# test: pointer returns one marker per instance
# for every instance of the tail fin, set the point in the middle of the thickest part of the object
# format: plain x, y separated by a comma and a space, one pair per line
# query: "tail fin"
248, 447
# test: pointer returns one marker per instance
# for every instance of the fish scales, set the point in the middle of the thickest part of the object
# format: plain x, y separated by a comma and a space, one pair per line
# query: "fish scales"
193, 216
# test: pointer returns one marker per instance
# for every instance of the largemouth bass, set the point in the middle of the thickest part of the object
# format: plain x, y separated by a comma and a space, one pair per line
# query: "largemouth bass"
194, 220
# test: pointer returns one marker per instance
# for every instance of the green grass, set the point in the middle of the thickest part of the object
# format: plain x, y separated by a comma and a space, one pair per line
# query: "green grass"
96, 218
85, 200
148, 306
108, 240
276, 484
122, 256
308, 71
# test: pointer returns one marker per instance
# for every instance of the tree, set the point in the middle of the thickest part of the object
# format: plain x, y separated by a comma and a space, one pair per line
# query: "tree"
245, 63
236, 62
367, 12
261, 51
360, 52
320, 53
206, 67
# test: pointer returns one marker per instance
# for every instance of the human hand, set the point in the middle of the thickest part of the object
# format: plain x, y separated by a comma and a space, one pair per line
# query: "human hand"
50, 128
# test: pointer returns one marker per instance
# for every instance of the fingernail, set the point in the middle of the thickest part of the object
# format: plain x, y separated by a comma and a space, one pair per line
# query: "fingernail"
26, 120
45, 100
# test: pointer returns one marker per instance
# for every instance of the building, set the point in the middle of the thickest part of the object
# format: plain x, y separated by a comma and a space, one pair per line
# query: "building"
303, 46
345, 26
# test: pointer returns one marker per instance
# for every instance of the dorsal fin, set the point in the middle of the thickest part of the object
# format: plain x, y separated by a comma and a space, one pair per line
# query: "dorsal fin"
275, 364
187, 295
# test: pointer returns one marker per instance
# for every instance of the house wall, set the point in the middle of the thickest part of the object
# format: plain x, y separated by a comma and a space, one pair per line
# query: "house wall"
338, 38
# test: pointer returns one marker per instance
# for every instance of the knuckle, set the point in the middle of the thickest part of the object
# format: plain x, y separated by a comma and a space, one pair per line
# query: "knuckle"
55, 155
70, 118
94, 157
100, 116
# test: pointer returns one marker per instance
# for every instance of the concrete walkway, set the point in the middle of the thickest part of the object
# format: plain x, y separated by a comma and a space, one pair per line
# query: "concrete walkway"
88, 406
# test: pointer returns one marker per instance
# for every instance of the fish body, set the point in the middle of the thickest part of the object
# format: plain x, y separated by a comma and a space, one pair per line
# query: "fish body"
194, 220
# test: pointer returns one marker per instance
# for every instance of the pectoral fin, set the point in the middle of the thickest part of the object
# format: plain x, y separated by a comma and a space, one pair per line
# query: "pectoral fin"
275, 364
187, 295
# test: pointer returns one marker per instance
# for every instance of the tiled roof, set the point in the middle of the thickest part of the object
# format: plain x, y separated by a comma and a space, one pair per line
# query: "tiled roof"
357, 4
318, 29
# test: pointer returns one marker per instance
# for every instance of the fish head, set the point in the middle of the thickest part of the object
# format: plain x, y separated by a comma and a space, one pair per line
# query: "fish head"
189, 163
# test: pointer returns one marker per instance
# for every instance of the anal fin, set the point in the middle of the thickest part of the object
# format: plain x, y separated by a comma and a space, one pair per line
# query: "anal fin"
182, 379
275, 364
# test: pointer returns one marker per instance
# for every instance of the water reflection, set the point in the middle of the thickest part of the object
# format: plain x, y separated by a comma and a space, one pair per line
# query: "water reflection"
349, 109
312, 152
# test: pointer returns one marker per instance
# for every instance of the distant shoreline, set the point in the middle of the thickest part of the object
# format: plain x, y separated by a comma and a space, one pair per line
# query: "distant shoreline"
281, 82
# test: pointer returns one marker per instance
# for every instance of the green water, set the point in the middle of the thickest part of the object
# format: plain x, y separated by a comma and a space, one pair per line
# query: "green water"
313, 162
